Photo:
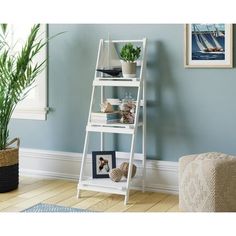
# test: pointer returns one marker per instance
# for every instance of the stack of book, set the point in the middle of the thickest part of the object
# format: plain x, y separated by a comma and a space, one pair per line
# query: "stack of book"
105, 118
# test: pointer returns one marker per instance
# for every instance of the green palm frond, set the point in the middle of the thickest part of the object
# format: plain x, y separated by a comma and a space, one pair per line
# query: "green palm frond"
4, 28
17, 74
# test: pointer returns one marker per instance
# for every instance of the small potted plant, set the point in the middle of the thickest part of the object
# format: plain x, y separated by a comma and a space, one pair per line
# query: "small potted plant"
17, 74
129, 54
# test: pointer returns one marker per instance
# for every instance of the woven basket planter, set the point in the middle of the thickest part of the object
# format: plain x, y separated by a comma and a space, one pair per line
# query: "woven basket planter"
9, 168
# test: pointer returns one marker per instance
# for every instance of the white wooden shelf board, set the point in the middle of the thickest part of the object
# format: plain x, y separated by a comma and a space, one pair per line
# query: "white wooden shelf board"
106, 185
105, 129
101, 189
119, 125
124, 41
119, 83
117, 103
112, 128
109, 78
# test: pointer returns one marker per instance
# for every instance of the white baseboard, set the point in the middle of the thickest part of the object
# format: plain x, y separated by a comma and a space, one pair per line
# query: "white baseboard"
161, 176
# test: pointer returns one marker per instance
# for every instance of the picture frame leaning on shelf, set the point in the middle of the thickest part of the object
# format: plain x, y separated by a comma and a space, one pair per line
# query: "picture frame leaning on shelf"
102, 163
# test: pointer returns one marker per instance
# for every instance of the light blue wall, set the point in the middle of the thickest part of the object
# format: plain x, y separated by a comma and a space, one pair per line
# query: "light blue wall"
189, 110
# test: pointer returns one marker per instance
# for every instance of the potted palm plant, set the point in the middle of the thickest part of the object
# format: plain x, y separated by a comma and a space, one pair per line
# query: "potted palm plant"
129, 54
17, 74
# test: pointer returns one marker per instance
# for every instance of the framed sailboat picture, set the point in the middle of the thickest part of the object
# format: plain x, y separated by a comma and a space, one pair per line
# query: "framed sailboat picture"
208, 45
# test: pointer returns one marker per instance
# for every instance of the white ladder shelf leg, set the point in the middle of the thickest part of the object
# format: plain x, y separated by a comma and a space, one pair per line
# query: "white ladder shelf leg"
83, 163
130, 169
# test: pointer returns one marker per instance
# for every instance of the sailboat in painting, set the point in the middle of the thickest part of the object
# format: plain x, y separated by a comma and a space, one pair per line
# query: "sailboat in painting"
207, 43
109, 61
218, 33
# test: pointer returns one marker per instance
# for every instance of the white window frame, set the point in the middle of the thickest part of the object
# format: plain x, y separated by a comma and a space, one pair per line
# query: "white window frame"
35, 107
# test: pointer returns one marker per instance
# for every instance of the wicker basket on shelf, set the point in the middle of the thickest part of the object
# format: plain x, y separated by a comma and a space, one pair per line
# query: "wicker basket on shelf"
9, 167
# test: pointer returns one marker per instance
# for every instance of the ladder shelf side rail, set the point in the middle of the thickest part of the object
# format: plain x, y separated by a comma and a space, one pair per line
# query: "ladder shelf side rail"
144, 65
132, 148
135, 129
85, 150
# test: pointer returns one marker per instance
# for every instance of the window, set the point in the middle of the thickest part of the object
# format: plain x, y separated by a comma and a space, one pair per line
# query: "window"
34, 106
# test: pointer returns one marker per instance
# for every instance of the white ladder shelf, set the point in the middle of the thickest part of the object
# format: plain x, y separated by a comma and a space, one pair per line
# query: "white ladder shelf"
107, 185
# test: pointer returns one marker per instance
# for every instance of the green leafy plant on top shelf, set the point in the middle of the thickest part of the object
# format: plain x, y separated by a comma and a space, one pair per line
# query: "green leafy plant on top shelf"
17, 74
129, 53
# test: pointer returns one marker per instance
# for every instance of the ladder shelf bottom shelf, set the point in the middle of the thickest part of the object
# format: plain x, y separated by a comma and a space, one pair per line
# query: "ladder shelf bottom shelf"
106, 185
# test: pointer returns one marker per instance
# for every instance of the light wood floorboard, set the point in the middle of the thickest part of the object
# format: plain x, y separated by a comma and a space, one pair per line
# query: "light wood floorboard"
175, 208
165, 204
61, 192
134, 199
146, 203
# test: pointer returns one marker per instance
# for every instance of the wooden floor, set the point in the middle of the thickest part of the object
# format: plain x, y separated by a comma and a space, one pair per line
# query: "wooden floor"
61, 192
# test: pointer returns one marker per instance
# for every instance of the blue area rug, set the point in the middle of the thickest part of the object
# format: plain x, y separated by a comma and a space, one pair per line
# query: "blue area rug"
42, 207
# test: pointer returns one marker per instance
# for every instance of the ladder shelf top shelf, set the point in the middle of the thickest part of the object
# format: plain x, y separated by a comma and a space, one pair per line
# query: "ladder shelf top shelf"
126, 41
110, 78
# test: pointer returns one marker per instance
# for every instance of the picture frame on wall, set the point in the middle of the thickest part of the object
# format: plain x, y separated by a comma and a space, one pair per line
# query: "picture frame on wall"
208, 45
103, 162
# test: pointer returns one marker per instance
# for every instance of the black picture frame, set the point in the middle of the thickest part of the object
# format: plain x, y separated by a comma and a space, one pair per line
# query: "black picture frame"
101, 168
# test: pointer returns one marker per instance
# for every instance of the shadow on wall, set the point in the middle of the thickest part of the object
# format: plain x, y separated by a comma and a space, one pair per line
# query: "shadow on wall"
166, 120
153, 101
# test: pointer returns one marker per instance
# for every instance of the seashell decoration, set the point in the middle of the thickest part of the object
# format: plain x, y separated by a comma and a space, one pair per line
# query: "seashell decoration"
125, 167
106, 107
116, 174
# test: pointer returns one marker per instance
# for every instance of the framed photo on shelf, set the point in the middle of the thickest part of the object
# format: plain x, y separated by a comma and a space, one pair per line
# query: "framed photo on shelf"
103, 162
208, 45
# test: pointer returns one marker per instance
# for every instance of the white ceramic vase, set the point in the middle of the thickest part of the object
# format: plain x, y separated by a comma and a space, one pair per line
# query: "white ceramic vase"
128, 69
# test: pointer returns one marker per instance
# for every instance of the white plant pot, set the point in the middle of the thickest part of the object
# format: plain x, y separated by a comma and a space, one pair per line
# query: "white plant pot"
128, 69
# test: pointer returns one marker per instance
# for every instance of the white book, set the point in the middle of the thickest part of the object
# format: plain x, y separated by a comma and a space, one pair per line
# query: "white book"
104, 118
104, 114
114, 121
